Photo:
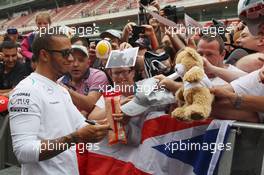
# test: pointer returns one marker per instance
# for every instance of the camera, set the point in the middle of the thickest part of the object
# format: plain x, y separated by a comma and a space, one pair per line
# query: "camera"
138, 29
217, 28
156, 64
174, 13
135, 35
217, 25
146, 2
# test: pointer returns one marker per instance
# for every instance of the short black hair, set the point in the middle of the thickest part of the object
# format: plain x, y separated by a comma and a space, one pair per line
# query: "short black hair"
8, 45
84, 40
209, 38
44, 40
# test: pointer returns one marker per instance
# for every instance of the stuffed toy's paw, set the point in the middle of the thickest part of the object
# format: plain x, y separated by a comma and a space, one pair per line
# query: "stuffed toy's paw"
179, 113
194, 74
196, 112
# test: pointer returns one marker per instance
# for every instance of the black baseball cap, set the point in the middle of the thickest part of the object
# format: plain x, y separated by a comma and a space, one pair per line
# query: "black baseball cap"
11, 31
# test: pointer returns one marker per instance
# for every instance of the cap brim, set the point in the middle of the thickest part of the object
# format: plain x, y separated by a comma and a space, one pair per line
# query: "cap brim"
133, 109
77, 47
106, 34
80, 51
253, 26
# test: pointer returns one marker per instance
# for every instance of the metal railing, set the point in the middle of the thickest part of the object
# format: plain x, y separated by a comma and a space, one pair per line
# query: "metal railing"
229, 158
7, 158
226, 162
248, 125
3, 133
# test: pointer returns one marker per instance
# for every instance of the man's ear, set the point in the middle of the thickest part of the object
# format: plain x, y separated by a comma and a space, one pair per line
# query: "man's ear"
261, 41
223, 54
89, 62
43, 55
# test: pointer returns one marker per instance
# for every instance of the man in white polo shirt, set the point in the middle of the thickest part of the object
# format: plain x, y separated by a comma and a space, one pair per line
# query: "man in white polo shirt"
45, 124
243, 97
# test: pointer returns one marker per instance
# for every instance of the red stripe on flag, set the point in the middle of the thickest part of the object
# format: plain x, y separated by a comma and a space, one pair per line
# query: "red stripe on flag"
104, 165
165, 124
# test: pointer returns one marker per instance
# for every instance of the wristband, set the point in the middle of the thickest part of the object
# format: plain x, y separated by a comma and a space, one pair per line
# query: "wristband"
238, 101
74, 138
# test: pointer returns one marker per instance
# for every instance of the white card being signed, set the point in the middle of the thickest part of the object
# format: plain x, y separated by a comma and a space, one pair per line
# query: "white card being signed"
124, 58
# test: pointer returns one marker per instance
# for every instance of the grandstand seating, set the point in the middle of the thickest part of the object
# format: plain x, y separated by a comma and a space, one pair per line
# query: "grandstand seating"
84, 9
90, 8
2, 23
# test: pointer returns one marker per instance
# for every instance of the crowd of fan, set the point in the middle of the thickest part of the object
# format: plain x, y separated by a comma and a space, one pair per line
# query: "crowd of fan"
240, 57
233, 62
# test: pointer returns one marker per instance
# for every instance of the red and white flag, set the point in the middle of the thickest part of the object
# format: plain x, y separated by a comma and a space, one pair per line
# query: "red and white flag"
167, 147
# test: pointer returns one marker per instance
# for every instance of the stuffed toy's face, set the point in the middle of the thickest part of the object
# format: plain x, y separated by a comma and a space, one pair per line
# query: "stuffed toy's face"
189, 58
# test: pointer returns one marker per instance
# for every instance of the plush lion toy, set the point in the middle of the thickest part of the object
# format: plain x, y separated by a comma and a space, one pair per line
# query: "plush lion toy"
194, 98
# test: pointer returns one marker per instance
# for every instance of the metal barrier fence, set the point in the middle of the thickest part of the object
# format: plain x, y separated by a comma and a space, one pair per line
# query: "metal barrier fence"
246, 155
7, 157
246, 139
3, 135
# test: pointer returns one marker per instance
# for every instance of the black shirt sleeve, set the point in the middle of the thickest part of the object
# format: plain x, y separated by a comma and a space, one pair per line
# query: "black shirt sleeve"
11, 79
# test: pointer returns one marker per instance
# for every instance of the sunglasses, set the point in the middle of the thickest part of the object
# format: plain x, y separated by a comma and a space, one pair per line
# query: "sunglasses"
65, 52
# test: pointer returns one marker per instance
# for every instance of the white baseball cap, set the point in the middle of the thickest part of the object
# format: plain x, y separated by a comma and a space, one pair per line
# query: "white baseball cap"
252, 13
81, 48
112, 32
146, 97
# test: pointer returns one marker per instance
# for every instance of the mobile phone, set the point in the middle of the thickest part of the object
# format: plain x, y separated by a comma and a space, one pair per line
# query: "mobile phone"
138, 29
95, 40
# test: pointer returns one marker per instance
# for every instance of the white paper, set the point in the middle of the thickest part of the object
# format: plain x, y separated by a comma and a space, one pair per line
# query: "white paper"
124, 58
